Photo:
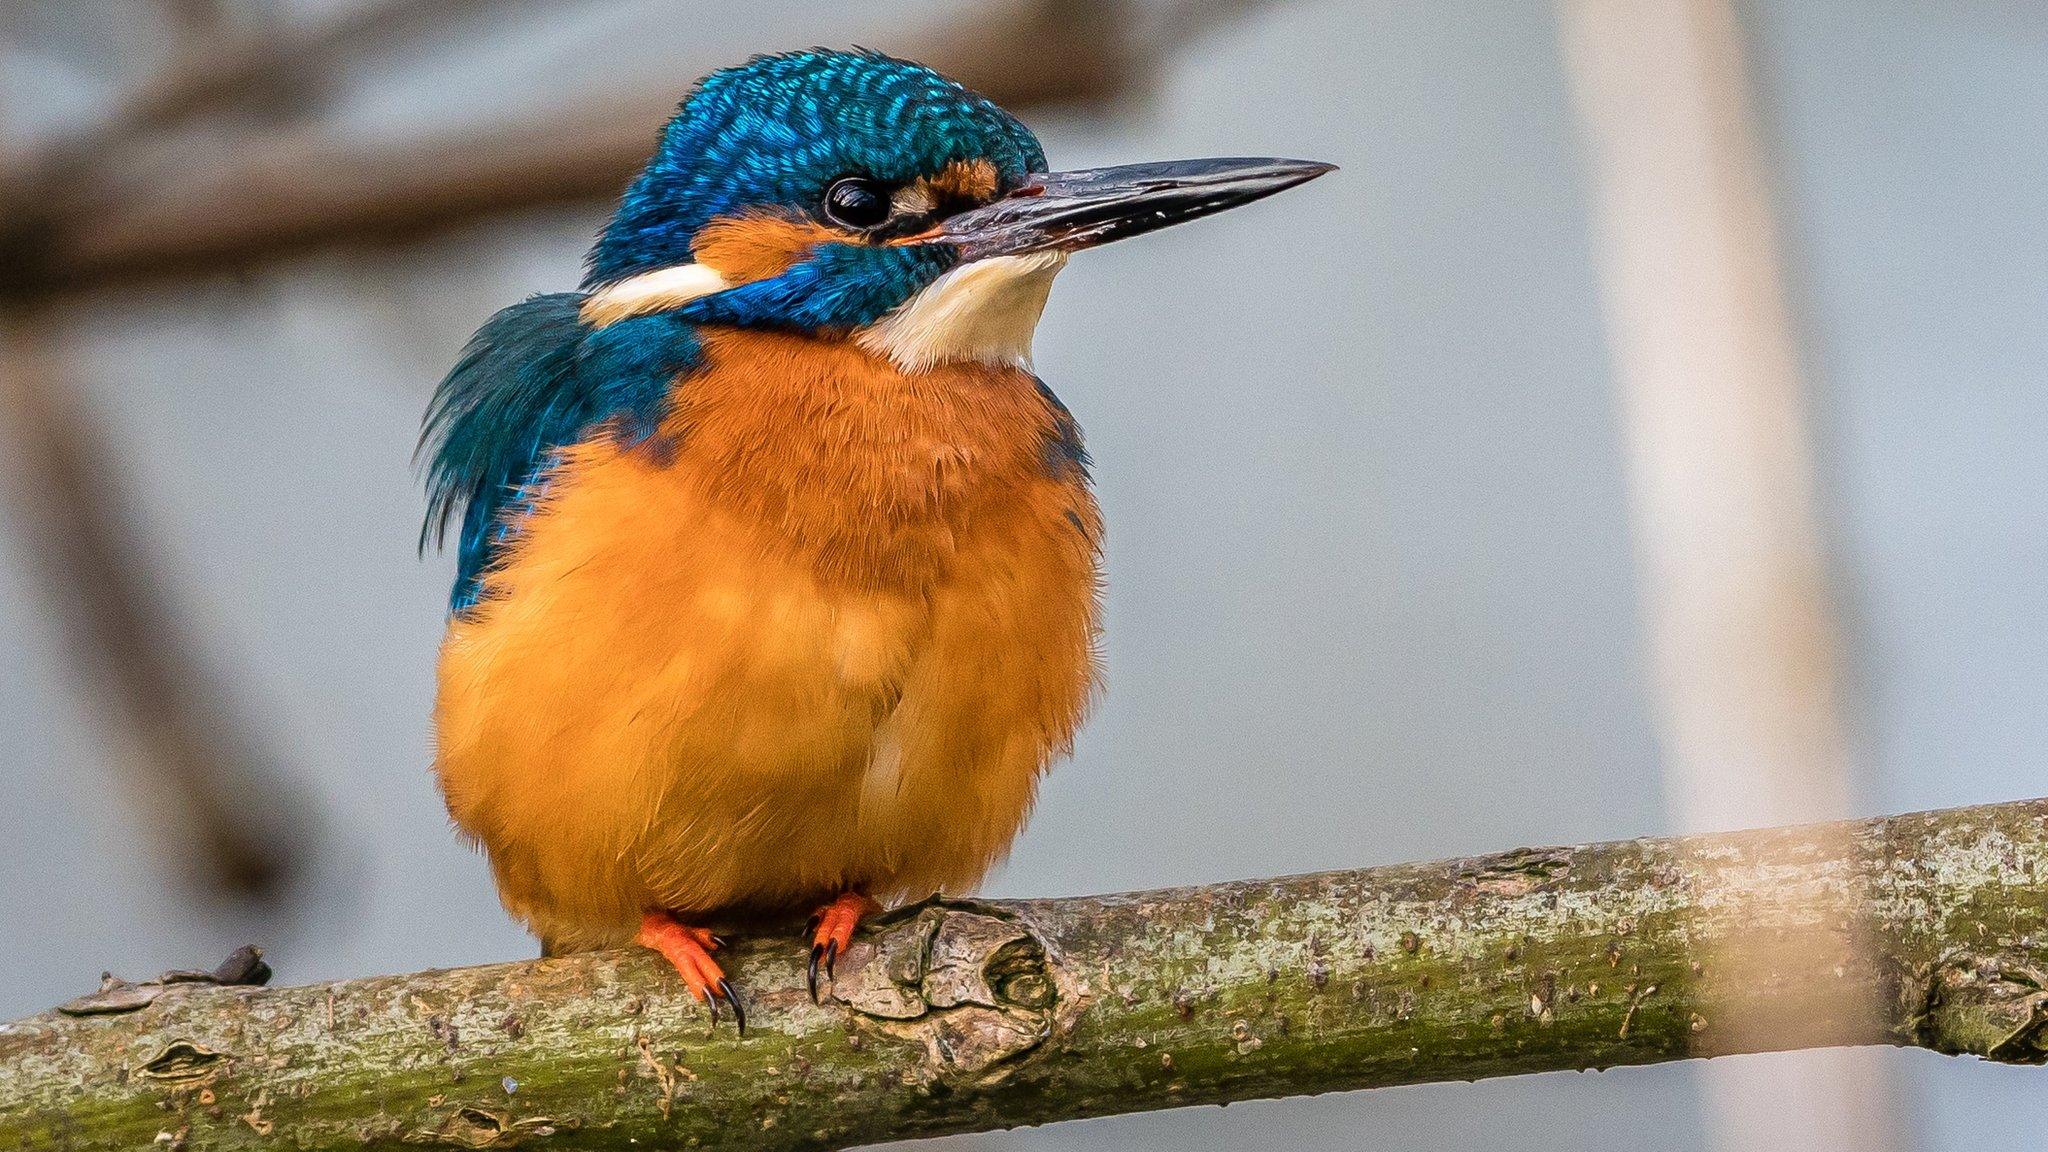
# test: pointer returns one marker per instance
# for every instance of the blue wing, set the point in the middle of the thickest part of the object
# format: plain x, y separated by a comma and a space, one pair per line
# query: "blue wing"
534, 380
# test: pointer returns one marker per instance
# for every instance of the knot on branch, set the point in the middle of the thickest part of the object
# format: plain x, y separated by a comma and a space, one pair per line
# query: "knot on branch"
970, 985
473, 1127
1518, 872
1996, 1006
182, 1063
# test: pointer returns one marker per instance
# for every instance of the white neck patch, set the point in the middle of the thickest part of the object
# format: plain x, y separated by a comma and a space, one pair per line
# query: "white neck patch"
656, 291
985, 310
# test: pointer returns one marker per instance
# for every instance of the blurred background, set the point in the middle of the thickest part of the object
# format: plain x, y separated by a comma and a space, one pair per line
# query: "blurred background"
1643, 433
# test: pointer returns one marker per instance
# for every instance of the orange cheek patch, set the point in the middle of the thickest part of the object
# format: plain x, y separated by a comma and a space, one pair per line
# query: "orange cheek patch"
757, 246
961, 184
967, 182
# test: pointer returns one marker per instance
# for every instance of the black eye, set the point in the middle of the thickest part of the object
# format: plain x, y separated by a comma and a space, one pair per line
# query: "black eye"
856, 202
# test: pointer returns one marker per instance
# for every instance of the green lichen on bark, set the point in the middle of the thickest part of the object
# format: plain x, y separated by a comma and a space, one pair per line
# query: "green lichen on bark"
1927, 930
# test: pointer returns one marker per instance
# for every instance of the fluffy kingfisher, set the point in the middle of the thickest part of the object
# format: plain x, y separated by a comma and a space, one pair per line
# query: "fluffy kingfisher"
778, 568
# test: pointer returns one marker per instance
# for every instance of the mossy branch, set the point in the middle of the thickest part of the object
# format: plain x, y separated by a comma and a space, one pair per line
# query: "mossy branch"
1928, 930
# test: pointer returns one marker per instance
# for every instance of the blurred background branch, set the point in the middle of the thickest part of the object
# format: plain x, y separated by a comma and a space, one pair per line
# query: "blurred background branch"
219, 809
122, 202
1738, 606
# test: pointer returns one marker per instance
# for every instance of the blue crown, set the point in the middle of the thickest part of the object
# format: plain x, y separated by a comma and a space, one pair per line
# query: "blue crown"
777, 130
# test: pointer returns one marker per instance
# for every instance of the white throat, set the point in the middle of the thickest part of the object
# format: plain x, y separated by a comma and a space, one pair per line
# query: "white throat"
985, 310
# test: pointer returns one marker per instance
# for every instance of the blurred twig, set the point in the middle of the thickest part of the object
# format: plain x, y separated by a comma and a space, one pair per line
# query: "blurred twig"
219, 71
233, 69
231, 819
1734, 589
268, 194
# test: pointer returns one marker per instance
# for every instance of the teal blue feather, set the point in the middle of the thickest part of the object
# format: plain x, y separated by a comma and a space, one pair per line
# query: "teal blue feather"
771, 134
534, 380
778, 129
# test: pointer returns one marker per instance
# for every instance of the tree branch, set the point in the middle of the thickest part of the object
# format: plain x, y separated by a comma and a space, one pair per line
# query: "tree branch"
211, 202
966, 1016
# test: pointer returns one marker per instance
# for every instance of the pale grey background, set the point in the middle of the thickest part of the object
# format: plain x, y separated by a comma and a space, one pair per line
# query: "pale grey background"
1371, 594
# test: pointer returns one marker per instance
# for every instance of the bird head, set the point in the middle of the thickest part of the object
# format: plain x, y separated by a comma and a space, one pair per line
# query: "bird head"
852, 194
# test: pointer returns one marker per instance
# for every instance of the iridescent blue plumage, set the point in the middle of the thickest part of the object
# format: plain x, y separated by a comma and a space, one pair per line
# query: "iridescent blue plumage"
778, 129
771, 135
533, 380
841, 286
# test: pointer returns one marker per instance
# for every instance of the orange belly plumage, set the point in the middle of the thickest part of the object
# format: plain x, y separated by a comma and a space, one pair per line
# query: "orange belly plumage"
824, 631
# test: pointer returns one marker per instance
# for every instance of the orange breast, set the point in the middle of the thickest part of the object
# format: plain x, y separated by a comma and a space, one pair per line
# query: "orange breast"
827, 630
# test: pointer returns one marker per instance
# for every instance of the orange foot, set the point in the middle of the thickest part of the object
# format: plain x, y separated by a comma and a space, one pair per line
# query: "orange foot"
689, 949
832, 930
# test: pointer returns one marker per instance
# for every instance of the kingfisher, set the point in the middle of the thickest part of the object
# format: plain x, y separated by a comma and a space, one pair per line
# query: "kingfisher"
778, 570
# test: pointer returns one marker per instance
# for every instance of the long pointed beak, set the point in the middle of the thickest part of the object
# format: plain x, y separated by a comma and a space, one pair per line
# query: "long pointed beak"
1067, 211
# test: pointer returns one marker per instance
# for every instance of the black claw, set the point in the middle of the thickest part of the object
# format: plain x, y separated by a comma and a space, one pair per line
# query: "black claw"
831, 954
811, 925
718, 941
811, 976
739, 1014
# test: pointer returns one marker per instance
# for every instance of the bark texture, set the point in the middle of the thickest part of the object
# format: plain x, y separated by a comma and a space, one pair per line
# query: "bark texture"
957, 1016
